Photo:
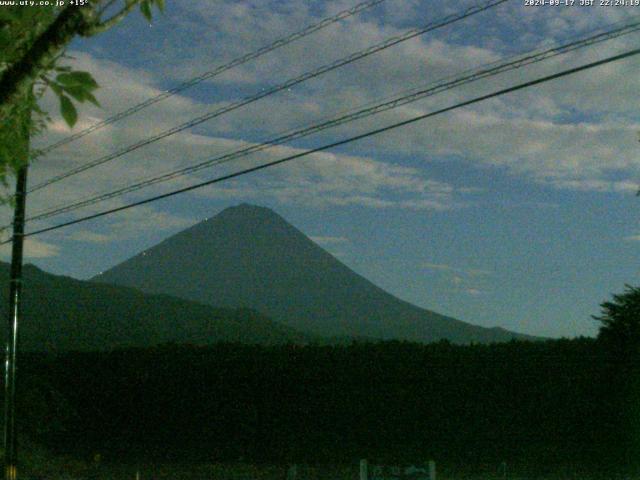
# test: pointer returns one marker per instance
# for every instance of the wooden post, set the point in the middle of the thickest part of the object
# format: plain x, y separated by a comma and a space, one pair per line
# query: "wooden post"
432, 470
364, 469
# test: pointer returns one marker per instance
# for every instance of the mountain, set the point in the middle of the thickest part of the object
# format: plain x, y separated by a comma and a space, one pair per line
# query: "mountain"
61, 313
250, 257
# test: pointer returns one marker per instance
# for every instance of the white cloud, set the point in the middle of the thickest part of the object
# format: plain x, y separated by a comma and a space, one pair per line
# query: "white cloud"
571, 134
524, 132
137, 221
325, 179
89, 237
33, 248
474, 291
473, 272
438, 266
471, 281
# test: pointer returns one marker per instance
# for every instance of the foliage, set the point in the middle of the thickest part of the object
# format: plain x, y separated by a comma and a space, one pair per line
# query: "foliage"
542, 405
620, 319
19, 28
34, 40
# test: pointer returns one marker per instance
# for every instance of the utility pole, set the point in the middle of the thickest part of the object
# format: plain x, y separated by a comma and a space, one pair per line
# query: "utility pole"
15, 314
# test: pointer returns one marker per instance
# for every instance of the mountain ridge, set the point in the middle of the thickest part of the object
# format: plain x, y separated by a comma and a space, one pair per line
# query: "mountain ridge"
62, 313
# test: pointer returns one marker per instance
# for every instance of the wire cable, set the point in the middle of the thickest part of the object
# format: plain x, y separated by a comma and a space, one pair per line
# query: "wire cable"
414, 95
370, 133
409, 34
281, 42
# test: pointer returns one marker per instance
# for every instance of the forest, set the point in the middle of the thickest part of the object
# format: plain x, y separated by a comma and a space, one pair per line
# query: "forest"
537, 406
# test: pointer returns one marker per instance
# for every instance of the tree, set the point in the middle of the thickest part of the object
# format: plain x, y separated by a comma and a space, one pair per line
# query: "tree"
620, 320
34, 41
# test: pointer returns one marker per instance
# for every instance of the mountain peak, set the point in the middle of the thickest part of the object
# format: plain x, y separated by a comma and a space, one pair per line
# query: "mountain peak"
247, 213
249, 256
248, 209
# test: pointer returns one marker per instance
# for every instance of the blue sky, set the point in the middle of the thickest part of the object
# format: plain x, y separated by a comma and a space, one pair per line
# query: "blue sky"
518, 212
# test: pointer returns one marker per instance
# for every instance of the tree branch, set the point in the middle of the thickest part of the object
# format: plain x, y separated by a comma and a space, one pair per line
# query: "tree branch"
114, 20
16, 80
18, 77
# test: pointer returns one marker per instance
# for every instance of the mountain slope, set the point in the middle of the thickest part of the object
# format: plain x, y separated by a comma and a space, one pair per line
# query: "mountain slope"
248, 256
61, 313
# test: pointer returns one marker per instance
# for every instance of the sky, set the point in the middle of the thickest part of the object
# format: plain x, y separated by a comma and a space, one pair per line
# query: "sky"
519, 211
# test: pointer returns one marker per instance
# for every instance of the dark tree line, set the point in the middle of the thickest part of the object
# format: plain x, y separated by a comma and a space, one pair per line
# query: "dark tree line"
561, 405
556, 404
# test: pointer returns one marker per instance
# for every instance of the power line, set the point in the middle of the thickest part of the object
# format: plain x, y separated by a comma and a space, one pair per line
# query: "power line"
341, 142
289, 83
213, 73
491, 69
414, 96
409, 34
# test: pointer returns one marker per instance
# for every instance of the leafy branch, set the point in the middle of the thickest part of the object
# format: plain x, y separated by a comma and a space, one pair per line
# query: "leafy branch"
29, 66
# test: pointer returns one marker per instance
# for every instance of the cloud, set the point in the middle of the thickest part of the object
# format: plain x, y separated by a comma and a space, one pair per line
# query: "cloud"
470, 281
138, 221
528, 133
473, 272
474, 291
33, 248
326, 179
569, 134
144, 218
323, 179
89, 237
438, 266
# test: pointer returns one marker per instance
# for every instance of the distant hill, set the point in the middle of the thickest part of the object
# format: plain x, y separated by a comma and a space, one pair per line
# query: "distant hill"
61, 313
249, 256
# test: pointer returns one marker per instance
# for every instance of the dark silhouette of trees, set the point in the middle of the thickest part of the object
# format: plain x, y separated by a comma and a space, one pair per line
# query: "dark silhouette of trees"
620, 320
556, 404
619, 343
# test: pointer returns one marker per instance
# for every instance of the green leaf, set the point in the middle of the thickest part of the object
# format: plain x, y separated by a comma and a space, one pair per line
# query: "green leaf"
92, 99
68, 111
57, 88
80, 93
160, 5
145, 8
77, 78
76, 91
